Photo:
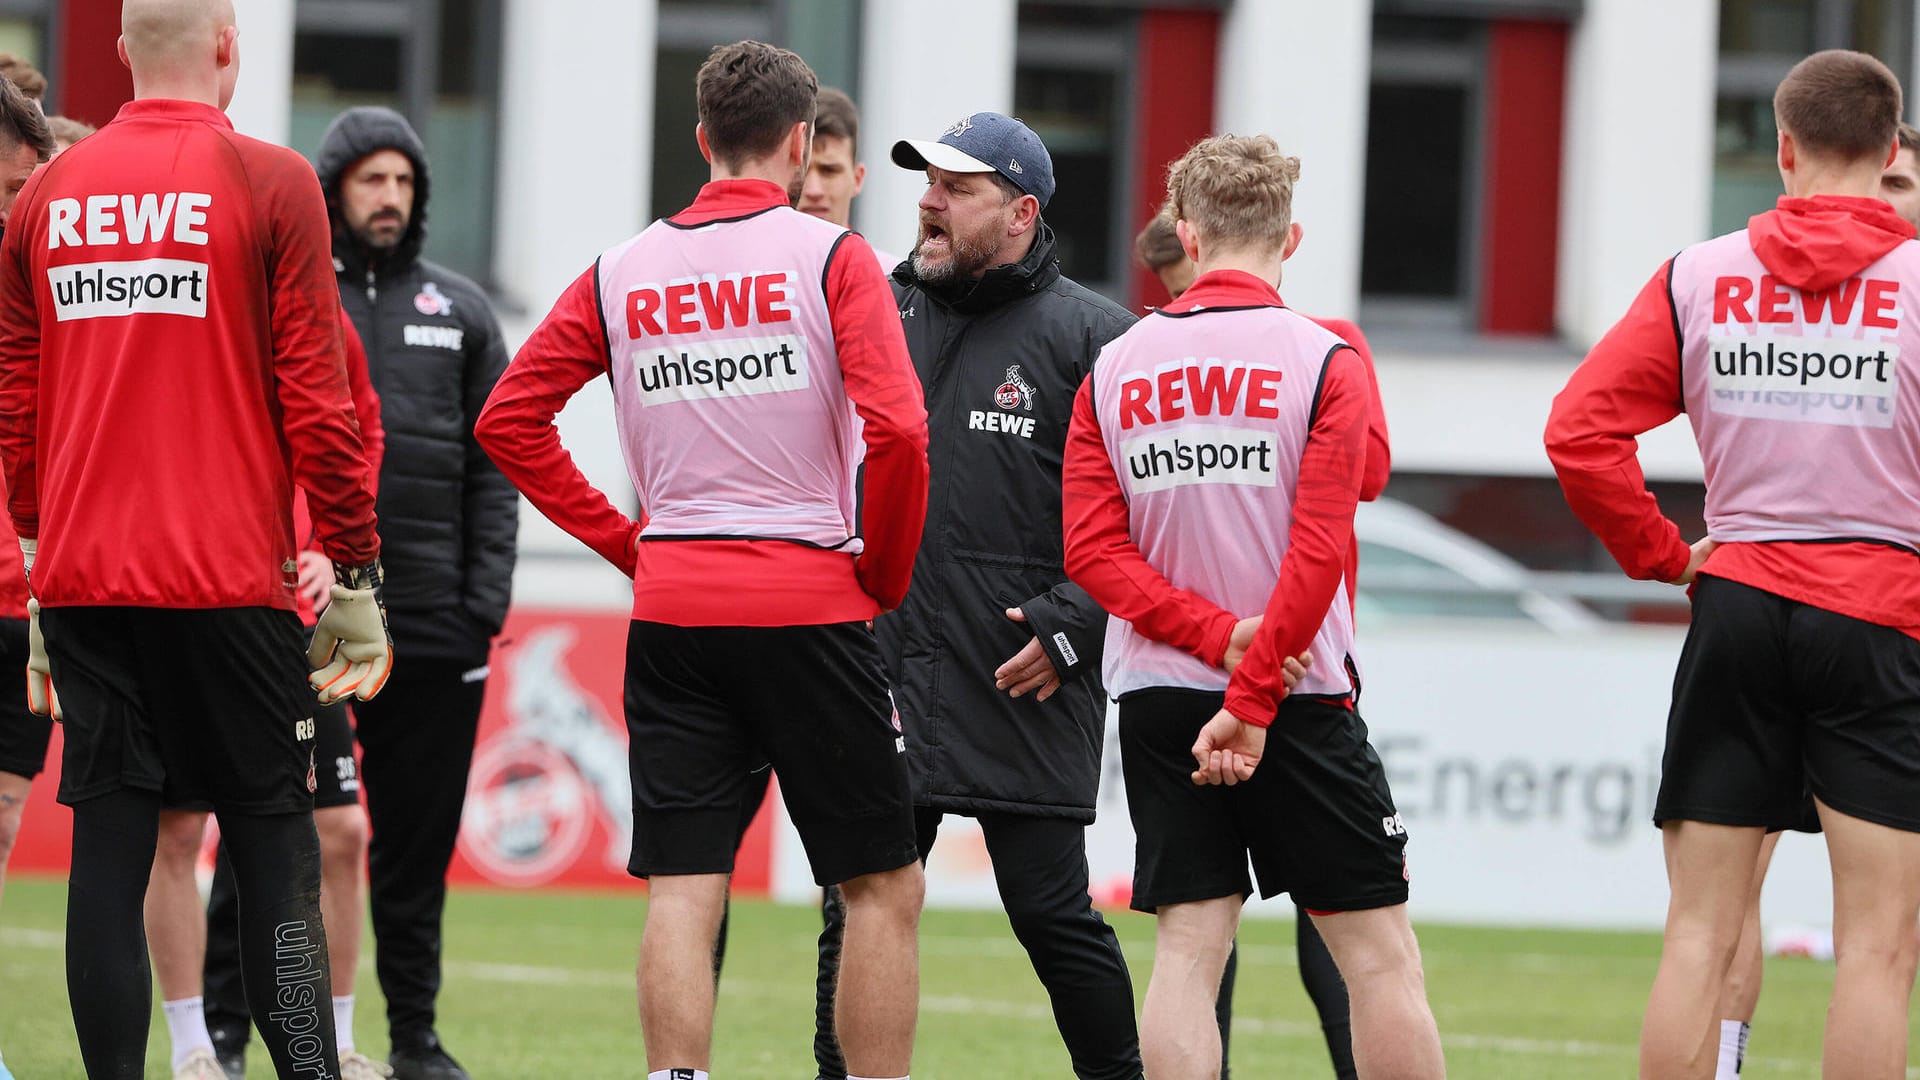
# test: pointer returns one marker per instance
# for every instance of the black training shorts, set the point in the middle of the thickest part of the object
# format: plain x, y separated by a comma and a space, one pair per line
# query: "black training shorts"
23, 736
1774, 698
707, 705
206, 707
1316, 819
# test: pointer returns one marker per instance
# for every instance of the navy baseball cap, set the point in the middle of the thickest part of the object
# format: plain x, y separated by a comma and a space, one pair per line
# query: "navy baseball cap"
985, 142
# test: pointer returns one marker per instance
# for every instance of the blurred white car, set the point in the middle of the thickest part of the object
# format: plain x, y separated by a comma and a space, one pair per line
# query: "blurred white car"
1414, 566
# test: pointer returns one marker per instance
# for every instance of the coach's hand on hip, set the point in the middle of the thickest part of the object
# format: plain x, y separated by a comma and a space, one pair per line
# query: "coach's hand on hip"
1029, 669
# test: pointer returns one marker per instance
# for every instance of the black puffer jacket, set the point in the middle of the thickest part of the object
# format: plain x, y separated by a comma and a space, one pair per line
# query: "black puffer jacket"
1001, 360
448, 518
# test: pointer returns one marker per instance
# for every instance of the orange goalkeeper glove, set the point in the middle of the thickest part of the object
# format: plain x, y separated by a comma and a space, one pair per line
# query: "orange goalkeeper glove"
40, 696
352, 650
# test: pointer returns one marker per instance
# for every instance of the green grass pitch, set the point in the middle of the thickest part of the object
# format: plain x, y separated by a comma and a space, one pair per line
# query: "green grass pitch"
541, 984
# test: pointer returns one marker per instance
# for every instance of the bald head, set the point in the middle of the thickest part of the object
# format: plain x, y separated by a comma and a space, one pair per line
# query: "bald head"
181, 48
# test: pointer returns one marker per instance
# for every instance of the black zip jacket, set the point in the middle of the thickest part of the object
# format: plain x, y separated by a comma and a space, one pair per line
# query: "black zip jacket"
448, 518
1001, 359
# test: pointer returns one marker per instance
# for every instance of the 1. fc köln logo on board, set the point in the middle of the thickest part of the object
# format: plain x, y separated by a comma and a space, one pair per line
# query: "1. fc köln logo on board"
1015, 393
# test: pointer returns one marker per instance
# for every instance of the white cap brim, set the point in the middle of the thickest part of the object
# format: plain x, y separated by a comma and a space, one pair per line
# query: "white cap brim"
920, 153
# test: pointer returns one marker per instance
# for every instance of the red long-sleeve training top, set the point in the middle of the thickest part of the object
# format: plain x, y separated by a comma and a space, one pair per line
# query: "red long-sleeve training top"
730, 582
1630, 383
1105, 561
171, 368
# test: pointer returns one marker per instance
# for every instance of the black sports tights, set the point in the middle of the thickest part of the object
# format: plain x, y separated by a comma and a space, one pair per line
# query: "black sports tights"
1324, 986
276, 865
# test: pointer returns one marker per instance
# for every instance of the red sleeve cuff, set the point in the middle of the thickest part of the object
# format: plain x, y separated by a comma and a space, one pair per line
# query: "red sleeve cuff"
1219, 636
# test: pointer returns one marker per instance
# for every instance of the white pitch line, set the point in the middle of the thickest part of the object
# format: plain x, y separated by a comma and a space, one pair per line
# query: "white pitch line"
960, 1005
32, 939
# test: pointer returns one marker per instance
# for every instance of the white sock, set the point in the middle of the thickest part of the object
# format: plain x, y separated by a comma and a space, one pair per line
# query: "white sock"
1733, 1049
187, 1028
343, 1023
678, 1074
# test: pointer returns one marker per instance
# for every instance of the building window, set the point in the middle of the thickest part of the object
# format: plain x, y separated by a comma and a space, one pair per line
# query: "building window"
1760, 40
435, 61
1424, 148
1073, 86
688, 31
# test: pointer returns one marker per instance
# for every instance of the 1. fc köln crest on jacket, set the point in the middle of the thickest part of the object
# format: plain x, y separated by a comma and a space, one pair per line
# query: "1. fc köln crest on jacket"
1016, 392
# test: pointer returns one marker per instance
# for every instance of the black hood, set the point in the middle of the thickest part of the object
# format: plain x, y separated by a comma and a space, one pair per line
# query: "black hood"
353, 135
1000, 284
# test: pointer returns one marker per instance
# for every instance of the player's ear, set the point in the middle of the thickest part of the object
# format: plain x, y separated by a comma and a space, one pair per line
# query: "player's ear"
1189, 239
1294, 235
700, 136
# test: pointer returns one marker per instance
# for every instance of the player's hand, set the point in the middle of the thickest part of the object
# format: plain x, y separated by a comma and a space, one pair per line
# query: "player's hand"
1240, 641
1294, 668
316, 579
1029, 669
352, 652
1227, 750
1702, 548
40, 696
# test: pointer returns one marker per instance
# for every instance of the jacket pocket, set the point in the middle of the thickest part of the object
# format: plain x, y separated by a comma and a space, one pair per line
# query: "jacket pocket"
1009, 575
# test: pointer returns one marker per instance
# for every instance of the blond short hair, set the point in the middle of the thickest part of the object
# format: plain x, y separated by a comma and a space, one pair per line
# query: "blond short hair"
1235, 191
66, 130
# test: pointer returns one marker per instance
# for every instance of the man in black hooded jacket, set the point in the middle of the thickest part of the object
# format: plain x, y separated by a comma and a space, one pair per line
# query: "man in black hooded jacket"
448, 521
994, 656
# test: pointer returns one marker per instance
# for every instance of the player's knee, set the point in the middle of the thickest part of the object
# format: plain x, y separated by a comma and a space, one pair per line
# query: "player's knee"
900, 891
9, 830
343, 834
179, 839
1893, 955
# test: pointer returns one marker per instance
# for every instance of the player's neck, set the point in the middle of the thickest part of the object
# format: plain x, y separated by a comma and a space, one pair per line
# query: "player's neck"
779, 173
175, 86
1855, 181
1266, 267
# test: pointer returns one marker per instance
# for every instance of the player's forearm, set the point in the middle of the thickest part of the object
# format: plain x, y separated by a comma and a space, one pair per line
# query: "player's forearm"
1314, 566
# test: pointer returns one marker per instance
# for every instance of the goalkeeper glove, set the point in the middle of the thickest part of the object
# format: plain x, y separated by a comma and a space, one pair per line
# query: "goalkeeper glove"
352, 651
40, 696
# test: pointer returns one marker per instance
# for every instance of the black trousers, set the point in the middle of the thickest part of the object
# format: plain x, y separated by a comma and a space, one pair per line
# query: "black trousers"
1041, 867
416, 745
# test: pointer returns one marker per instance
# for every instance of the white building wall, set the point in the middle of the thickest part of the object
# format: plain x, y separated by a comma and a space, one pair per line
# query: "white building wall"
576, 161
576, 136
1298, 70
262, 100
922, 67
1638, 162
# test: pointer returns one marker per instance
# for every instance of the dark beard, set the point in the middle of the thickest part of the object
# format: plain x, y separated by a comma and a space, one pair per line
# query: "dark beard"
365, 239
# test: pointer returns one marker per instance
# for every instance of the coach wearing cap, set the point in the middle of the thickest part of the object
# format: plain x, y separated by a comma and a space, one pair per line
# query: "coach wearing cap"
994, 656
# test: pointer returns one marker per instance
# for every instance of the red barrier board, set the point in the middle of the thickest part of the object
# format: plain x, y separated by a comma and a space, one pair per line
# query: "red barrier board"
548, 802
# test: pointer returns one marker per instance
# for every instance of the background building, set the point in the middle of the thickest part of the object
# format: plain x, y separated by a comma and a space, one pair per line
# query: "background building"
1486, 185
1486, 182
